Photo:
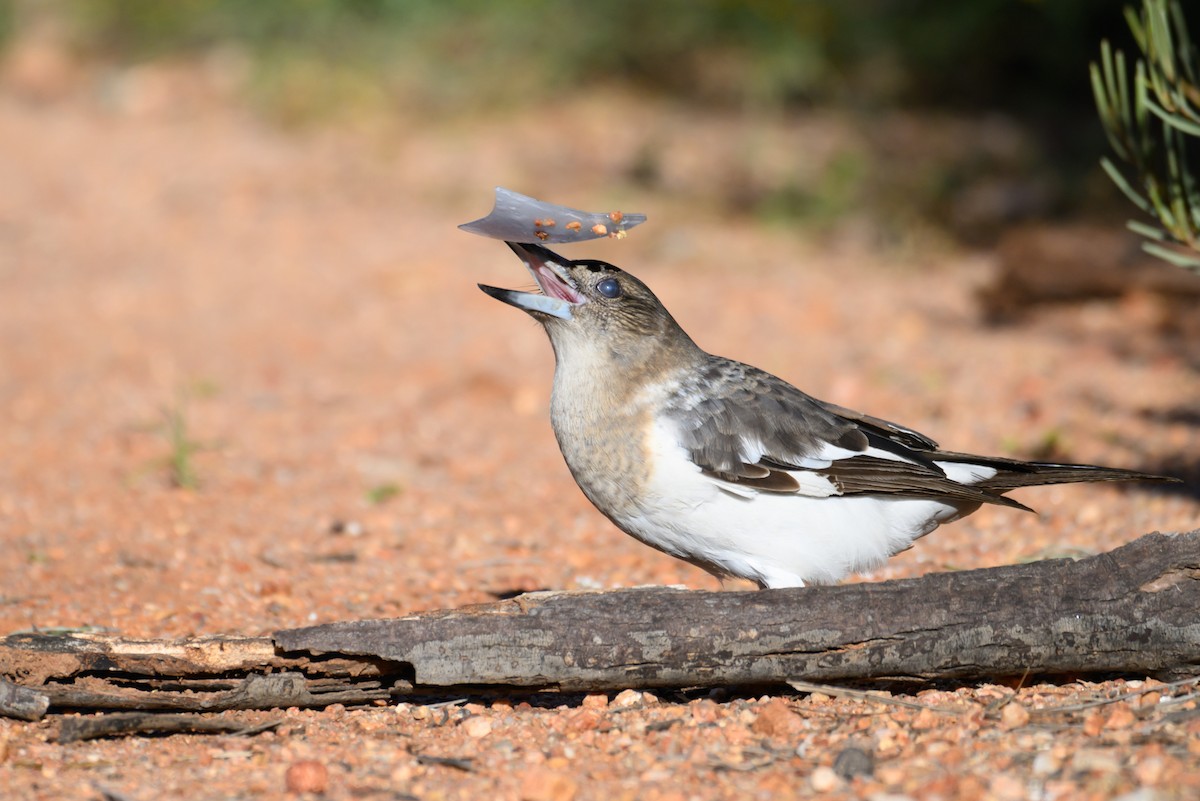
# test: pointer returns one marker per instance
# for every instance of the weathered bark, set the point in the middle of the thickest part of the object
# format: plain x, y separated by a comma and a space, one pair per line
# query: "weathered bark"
1135, 610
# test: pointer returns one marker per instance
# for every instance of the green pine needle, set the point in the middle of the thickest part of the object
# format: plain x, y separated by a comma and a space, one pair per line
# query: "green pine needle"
1151, 128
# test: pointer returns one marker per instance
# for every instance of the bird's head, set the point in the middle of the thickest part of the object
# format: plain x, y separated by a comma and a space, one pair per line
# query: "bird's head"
590, 301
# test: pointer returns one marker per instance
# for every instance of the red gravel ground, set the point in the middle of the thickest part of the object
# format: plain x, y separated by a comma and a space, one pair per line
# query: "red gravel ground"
369, 437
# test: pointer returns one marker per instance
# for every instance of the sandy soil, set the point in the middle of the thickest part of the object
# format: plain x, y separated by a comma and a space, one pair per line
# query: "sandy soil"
368, 437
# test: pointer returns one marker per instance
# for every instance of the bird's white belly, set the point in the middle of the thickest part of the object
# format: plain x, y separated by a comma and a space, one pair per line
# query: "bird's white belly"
780, 540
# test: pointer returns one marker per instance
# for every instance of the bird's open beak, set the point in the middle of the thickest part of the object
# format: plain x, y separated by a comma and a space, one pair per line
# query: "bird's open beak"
559, 295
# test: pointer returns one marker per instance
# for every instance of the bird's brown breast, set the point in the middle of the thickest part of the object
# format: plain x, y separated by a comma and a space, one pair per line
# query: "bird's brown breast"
602, 436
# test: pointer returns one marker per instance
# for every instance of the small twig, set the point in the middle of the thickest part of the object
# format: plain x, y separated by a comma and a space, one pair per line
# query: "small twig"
1178, 699
1083, 707
999, 704
445, 704
257, 729
864, 695
1003, 701
743, 767
458, 763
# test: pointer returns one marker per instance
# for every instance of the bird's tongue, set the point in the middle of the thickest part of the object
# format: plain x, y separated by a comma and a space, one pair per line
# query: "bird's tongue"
553, 286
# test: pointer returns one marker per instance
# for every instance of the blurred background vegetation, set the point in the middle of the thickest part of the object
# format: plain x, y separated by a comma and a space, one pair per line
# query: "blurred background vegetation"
1025, 55
1018, 66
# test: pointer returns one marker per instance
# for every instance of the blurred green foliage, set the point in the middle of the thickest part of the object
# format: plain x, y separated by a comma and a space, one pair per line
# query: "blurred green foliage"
1153, 126
312, 60
838, 191
6, 21
756, 52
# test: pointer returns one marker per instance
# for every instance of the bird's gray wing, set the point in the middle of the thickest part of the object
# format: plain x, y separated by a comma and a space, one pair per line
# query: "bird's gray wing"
748, 428
901, 435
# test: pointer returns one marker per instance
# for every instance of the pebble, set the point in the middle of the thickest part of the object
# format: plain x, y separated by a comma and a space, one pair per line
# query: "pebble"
925, 719
824, 779
854, 761
543, 784
1046, 764
1122, 717
891, 775
1013, 716
595, 701
776, 719
1007, 788
402, 774
307, 776
705, 711
1149, 771
476, 726
1095, 760
582, 720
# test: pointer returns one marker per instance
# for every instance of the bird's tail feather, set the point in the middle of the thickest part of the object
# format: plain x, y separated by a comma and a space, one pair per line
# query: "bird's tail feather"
1044, 473
1013, 473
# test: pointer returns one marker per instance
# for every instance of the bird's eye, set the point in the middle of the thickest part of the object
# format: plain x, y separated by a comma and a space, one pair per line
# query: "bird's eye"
609, 288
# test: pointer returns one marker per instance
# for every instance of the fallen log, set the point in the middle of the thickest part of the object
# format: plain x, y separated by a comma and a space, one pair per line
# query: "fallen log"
1133, 610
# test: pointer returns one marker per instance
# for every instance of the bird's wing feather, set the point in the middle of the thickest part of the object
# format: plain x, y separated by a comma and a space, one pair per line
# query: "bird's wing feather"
731, 417
882, 476
746, 427
895, 432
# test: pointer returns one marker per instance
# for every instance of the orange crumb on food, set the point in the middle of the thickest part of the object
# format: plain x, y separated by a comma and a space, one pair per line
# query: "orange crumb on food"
546, 223
542, 235
599, 229
574, 225
616, 216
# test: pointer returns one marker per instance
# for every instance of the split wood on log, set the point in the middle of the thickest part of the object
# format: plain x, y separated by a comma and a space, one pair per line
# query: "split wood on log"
22, 703
1132, 610
124, 723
